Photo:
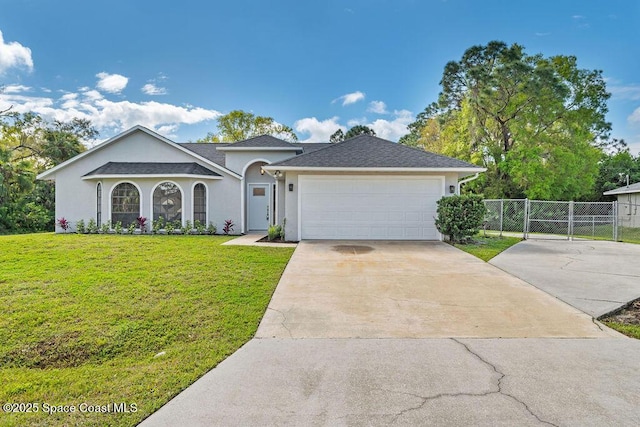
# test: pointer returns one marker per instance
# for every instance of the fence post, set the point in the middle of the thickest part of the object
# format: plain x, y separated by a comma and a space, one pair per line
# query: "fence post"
570, 222
525, 228
615, 220
501, 214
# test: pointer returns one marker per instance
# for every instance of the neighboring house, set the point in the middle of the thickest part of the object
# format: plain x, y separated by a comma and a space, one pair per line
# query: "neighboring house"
362, 188
628, 203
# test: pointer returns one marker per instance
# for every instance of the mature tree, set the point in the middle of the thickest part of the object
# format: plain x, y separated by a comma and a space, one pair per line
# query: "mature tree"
29, 145
339, 136
614, 169
239, 125
537, 124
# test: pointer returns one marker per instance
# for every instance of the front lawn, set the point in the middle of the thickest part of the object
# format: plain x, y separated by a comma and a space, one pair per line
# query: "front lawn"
488, 247
90, 321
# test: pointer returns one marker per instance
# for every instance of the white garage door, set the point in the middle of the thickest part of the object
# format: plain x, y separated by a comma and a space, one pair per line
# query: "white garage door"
369, 207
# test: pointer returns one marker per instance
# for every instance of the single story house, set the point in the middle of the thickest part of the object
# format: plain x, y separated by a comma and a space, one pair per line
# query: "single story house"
628, 203
361, 188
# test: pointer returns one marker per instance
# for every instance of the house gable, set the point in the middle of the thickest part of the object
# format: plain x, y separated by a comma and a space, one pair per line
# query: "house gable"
137, 143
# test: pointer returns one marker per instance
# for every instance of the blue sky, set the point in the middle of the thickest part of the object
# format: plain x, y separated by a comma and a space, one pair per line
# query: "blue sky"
315, 66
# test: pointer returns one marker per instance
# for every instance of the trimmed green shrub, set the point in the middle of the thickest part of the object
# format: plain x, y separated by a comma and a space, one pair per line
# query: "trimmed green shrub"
92, 227
274, 232
211, 228
106, 226
460, 217
80, 227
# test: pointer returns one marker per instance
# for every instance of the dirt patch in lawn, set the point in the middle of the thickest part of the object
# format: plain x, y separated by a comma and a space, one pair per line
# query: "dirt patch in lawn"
630, 315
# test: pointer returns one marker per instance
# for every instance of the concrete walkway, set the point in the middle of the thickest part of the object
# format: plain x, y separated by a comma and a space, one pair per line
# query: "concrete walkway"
594, 276
414, 381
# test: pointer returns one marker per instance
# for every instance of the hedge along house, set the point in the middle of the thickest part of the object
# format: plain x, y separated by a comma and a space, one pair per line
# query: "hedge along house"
362, 188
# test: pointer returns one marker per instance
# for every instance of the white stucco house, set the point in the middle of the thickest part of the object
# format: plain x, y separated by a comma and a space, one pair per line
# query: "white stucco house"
362, 188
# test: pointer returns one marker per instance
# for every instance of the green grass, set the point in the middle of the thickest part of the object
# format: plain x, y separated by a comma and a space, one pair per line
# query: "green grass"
629, 234
488, 247
632, 331
98, 319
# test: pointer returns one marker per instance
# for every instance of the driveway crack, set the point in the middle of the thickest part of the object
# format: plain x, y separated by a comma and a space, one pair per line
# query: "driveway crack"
283, 322
501, 376
596, 323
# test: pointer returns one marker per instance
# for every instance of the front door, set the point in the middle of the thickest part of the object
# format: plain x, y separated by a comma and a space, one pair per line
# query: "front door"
258, 206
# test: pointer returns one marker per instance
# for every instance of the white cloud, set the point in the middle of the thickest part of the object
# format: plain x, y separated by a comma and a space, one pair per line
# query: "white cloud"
350, 98
112, 83
92, 95
634, 118
393, 129
106, 115
631, 91
319, 131
152, 89
378, 107
15, 89
14, 55
355, 122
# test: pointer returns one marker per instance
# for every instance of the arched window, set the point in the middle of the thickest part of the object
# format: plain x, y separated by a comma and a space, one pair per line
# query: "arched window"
99, 204
167, 202
200, 203
125, 204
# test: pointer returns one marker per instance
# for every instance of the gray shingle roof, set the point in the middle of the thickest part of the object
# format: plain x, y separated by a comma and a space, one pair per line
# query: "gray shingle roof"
366, 151
633, 188
208, 151
308, 147
138, 168
262, 141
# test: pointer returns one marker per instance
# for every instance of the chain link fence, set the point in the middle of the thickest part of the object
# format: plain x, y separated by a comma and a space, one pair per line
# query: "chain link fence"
550, 219
629, 222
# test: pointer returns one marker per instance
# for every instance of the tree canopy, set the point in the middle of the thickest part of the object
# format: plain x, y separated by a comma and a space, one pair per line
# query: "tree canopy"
28, 146
537, 124
614, 169
339, 136
239, 125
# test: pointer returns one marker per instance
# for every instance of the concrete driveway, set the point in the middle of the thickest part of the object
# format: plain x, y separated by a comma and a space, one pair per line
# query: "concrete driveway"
593, 276
589, 377
410, 290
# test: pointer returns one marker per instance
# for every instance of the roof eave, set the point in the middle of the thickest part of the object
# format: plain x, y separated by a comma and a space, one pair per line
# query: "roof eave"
138, 175
370, 169
230, 148
625, 191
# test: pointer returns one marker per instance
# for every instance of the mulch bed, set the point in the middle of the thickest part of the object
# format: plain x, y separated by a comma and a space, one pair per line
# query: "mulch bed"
265, 239
629, 315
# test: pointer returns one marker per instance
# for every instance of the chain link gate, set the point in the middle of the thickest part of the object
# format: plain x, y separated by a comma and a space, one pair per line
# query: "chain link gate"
550, 219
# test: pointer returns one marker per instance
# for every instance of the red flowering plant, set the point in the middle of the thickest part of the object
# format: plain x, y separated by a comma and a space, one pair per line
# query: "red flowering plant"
228, 226
64, 224
142, 223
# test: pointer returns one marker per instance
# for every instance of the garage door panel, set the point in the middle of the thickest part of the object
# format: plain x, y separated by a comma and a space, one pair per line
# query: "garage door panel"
359, 207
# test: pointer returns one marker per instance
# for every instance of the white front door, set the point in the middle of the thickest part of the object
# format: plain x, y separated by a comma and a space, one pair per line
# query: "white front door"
258, 206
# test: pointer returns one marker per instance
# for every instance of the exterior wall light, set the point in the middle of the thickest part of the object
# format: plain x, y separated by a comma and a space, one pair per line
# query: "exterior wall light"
261, 171
290, 186
452, 189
